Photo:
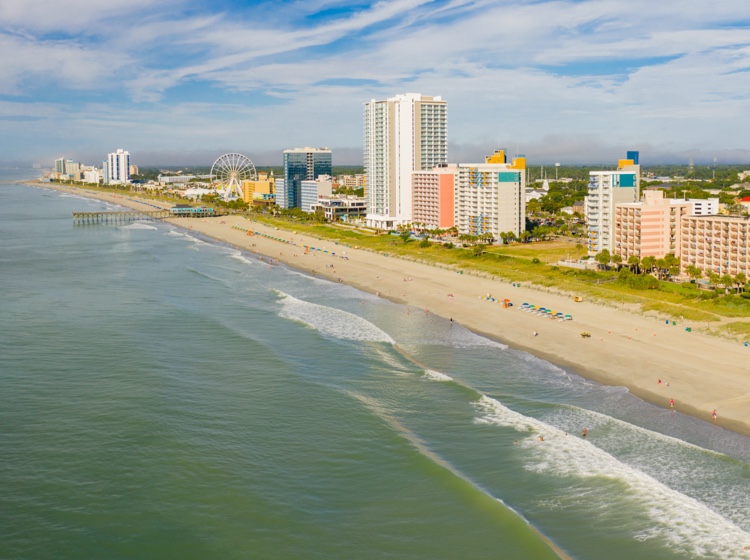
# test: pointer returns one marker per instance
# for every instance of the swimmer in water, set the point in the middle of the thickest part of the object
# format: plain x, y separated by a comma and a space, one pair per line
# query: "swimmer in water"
540, 438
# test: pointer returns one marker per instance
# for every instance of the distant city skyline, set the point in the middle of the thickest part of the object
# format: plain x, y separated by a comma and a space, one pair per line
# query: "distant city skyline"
181, 82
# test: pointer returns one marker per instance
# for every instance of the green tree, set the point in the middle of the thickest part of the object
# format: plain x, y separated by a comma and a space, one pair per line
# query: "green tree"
405, 235
603, 258
648, 263
693, 271
634, 262
741, 281
726, 280
617, 259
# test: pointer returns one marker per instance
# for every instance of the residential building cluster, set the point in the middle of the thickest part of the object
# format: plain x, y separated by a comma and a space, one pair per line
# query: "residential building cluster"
115, 170
409, 182
409, 179
627, 224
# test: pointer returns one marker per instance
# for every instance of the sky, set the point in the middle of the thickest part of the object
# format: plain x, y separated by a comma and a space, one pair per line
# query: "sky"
181, 82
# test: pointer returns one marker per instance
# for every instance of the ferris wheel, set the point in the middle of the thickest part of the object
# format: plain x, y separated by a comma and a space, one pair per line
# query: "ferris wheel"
228, 173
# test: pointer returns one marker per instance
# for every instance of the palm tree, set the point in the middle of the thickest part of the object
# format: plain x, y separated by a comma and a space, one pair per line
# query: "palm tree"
741, 281
693, 271
634, 262
617, 259
726, 281
672, 264
603, 258
648, 263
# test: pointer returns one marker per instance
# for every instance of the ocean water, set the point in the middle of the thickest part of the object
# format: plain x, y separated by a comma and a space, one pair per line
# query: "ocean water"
166, 396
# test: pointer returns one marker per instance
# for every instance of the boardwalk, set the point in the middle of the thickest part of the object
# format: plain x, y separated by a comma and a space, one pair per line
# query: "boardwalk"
119, 217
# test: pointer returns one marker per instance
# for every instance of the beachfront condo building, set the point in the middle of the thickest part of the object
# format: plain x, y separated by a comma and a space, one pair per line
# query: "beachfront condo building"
490, 197
651, 228
260, 192
433, 194
717, 244
118, 168
403, 134
343, 208
605, 190
302, 164
312, 190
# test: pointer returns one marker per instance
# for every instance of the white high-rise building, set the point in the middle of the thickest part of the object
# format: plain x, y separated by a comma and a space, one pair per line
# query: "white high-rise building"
403, 134
606, 189
118, 168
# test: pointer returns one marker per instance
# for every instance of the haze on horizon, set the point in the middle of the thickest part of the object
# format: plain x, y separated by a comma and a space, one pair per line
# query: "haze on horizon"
184, 81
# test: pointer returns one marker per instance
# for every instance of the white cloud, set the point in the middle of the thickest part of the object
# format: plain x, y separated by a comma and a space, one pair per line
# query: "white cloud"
515, 72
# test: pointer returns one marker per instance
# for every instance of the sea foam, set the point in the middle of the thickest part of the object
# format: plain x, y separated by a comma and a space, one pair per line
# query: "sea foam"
330, 321
436, 376
687, 525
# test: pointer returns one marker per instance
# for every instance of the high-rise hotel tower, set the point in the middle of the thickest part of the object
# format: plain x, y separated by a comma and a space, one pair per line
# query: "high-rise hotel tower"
117, 171
403, 134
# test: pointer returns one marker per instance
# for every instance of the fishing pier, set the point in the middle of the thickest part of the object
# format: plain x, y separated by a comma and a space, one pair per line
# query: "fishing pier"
119, 217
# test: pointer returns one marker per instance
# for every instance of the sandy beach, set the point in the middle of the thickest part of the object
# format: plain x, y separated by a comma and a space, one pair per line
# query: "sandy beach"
656, 361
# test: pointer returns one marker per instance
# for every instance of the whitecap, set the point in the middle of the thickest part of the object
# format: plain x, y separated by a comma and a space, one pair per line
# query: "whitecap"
330, 321
138, 225
433, 375
690, 527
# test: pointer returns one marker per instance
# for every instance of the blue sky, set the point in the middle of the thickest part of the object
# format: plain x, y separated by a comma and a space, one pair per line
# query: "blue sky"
183, 81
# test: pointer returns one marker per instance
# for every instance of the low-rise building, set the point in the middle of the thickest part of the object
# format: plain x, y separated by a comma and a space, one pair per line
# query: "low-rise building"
341, 207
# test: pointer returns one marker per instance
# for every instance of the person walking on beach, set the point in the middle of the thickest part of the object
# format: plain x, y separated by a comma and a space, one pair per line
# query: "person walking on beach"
585, 431
713, 415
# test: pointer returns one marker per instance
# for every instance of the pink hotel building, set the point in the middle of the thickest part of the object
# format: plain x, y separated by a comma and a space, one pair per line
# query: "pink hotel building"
433, 194
650, 228
690, 229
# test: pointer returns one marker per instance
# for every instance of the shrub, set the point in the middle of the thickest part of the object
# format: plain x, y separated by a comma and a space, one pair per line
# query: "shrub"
643, 282
424, 243
708, 294
689, 285
535, 261
745, 295
448, 245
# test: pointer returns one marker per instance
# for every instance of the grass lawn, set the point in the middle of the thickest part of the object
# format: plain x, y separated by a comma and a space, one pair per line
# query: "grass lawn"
516, 262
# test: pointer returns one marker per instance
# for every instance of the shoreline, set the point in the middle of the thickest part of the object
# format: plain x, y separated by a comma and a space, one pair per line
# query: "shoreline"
700, 372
